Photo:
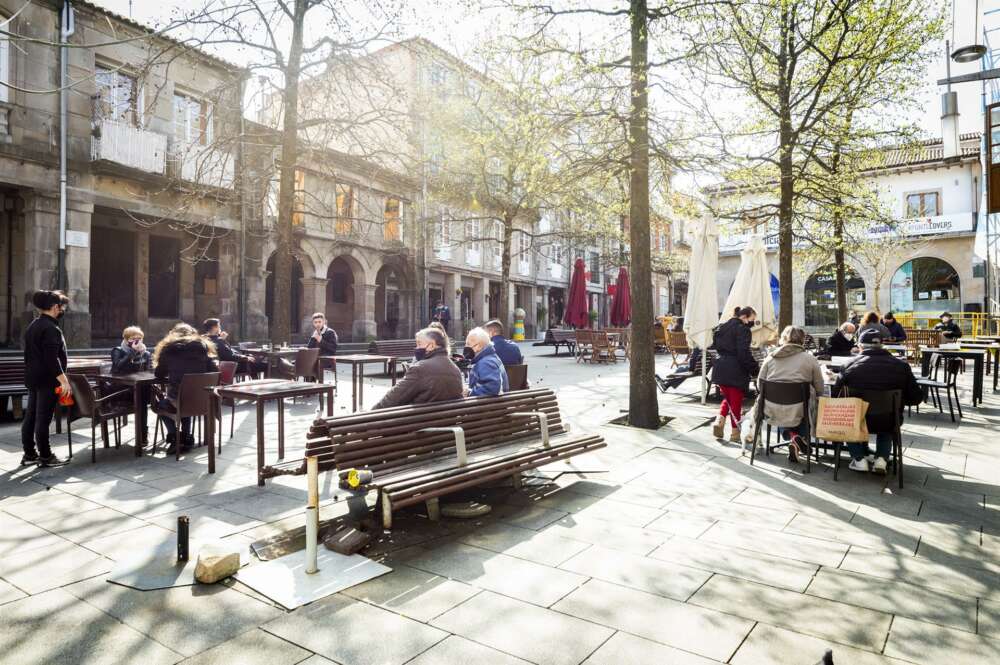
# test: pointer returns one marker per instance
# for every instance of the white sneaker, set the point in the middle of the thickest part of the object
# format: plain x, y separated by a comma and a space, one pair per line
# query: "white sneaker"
870, 459
859, 465
880, 466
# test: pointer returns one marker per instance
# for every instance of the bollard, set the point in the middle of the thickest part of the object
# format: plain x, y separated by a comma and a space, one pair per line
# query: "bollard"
182, 537
312, 524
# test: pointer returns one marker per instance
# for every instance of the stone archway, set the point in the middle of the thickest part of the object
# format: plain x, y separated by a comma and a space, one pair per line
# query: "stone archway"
394, 302
341, 301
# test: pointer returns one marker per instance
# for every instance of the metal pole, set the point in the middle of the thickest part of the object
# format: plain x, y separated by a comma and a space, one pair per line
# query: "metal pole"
66, 30
312, 513
242, 184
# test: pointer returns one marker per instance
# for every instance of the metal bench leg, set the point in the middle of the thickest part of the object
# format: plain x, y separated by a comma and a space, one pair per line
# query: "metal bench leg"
386, 511
517, 481
433, 509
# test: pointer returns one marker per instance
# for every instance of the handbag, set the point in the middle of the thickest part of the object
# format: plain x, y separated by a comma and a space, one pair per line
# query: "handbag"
842, 419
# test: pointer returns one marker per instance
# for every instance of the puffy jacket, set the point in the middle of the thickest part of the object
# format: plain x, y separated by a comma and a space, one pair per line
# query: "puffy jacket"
223, 350
184, 356
508, 351
128, 362
488, 375
877, 369
434, 379
44, 353
735, 364
791, 363
896, 331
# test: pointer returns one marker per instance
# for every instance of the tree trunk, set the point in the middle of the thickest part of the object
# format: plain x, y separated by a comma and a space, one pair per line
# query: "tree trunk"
281, 323
503, 309
785, 164
642, 403
841, 271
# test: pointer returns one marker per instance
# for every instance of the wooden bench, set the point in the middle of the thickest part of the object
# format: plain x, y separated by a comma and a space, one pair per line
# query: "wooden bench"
421, 452
397, 348
559, 337
12, 386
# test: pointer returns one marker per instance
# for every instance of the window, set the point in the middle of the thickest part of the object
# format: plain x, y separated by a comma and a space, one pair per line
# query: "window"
5, 66
439, 79
595, 268
164, 277
923, 204
442, 239
206, 272
496, 247
494, 176
299, 199
556, 254
345, 208
192, 120
473, 242
390, 220
117, 96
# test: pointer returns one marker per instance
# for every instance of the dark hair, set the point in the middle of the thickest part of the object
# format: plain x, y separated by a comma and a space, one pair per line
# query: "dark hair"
871, 317
208, 324
889, 316
494, 324
44, 300
744, 311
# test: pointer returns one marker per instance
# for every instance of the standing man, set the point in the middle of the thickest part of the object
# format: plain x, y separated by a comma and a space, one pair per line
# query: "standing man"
44, 370
510, 353
442, 314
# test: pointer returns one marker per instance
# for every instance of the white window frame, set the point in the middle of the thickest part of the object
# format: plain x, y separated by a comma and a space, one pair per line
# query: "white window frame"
442, 239
194, 108
5, 76
524, 252
924, 193
496, 247
473, 245
137, 102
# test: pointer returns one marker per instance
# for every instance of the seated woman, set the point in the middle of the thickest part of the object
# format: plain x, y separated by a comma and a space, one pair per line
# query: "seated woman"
182, 351
873, 322
432, 378
791, 363
131, 355
896, 331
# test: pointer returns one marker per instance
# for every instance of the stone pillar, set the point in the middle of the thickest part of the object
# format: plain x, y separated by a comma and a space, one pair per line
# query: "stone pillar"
186, 284
452, 283
313, 299
543, 324
142, 279
364, 312
480, 306
512, 299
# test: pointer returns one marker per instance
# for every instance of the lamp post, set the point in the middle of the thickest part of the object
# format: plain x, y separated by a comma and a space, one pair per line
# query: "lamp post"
967, 35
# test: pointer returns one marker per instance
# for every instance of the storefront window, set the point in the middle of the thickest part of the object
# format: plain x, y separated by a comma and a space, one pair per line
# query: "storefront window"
926, 286
821, 296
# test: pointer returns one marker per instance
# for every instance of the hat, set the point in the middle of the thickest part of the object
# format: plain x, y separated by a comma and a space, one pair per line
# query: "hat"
870, 337
944, 314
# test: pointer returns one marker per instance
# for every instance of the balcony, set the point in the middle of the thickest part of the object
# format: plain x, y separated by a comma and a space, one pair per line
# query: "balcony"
133, 147
472, 256
203, 165
556, 270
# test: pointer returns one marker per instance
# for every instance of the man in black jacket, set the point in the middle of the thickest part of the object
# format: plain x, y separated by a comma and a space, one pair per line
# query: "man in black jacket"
841, 342
212, 329
44, 370
878, 370
948, 328
323, 337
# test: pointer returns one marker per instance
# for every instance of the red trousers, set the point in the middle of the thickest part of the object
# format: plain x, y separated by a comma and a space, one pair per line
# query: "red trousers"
732, 403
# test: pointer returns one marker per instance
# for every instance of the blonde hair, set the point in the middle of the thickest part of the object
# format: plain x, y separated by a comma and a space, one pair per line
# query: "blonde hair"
182, 332
132, 331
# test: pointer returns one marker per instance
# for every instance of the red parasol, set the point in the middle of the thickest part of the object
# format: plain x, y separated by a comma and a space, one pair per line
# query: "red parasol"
576, 304
621, 305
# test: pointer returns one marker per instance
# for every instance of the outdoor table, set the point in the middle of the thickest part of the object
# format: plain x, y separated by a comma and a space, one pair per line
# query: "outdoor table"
138, 381
272, 356
260, 392
978, 356
992, 350
358, 362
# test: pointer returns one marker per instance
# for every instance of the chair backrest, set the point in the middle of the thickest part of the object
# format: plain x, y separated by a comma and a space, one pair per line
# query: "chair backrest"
600, 339
785, 392
306, 363
227, 372
660, 335
882, 403
193, 398
677, 341
83, 395
584, 337
106, 368
517, 375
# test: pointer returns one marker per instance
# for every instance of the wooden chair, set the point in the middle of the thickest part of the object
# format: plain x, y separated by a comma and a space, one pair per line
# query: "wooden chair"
193, 401
584, 344
780, 392
601, 348
517, 376
677, 344
660, 342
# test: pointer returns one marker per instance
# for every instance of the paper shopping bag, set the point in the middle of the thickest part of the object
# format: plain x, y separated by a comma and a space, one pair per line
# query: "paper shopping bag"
842, 419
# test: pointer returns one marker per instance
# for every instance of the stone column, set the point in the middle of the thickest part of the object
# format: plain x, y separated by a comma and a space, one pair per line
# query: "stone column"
313, 299
77, 325
543, 323
186, 287
364, 312
452, 283
142, 279
480, 306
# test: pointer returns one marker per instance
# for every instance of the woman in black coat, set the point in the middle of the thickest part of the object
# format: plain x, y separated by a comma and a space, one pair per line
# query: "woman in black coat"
182, 351
732, 370
44, 371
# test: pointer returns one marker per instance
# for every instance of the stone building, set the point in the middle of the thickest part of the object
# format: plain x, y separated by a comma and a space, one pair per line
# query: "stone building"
926, 265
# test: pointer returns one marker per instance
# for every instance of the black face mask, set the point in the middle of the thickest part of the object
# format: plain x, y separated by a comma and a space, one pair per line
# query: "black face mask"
419, 354
469, 353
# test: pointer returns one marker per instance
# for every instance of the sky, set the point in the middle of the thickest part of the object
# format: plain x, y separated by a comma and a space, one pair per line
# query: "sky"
458, 25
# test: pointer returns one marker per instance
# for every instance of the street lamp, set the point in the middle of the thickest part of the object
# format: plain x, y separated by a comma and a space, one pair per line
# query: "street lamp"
967, 31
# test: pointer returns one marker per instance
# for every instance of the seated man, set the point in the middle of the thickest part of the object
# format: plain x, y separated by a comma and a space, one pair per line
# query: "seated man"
509, 352
682, 372
432, 378
212, 329
896, 331
131, 355
323, 337
948, 328
877, 369
841, 342
488, 375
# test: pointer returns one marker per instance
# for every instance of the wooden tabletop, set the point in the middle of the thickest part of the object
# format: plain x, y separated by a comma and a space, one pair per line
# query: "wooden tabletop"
270, 388
362, 358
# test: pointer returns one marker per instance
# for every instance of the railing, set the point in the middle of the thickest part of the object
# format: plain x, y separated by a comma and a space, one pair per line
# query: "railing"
203, 165
129, 146
971, 323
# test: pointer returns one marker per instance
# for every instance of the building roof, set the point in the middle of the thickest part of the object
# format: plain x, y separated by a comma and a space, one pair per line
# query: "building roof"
158, 33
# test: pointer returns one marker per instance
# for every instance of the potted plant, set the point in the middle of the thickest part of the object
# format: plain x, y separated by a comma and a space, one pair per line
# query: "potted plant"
592, 314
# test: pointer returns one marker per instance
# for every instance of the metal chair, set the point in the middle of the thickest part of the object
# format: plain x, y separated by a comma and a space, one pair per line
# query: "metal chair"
517, 376
227, 376
100, 410
881, 404
781, 392
952, 368
193, 401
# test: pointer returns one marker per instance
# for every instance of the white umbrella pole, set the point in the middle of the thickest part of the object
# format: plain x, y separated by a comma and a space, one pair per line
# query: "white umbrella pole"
704, 379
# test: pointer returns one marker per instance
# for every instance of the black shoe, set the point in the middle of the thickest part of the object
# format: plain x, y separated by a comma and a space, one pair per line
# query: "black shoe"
52, 460
29, 460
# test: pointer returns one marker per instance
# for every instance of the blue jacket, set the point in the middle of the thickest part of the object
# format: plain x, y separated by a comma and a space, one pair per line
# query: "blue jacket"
509, 352
487, 376
896, 330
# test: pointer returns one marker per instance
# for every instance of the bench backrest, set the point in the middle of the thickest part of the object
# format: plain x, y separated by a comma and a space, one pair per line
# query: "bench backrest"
389, 439
11, 372
393, 347
560, 335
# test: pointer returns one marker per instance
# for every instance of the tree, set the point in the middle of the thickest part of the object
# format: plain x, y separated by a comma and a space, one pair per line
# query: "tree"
799, 64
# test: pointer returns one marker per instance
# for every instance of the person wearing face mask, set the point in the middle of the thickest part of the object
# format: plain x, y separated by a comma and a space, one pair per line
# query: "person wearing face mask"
488, 376
732, 370
131, 355
44, 370
948, 328
432, 378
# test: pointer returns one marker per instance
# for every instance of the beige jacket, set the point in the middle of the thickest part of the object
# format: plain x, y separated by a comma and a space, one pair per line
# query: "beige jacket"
790, 364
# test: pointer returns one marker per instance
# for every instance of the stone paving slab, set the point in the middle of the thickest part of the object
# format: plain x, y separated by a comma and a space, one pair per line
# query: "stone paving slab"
254, 647
806, 549
413, 593
545, 547
663, 578
455, 650
681, 524
925, 573
842, 623
927, 643
681, 625
9, 592
638, 494
55, 629
17, 535
635, 540
349, 632
51, 567
89, 524
770, 645
735, 562
533, 633
625, 649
